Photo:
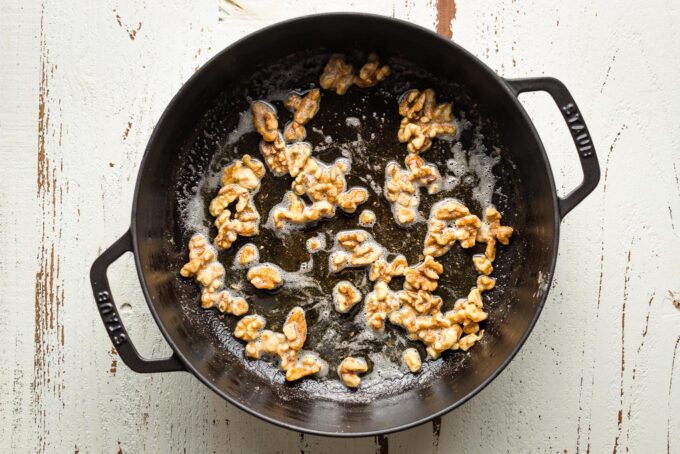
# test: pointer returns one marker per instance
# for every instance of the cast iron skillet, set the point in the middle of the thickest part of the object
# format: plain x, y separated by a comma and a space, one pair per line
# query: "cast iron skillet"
191, 133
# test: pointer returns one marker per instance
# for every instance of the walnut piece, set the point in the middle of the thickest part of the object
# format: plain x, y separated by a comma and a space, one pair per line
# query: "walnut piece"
372, 73
490, 232
426, 175
274, 153
295, 328
485, 283
349, 201
384, 271
411, 359
349, 370
354, 248
304, 108
338, 75
422, 301
316, 243
367, 218
483, 264
345, 296
241, 180
423, 120
307, 365
321, 181
265, 120
379, 304
296, 212
249, 327
247, 254
296, 156
208, 272
266, 276
423, 276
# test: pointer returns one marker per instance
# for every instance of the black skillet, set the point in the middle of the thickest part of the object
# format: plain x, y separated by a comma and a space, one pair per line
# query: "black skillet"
190, 141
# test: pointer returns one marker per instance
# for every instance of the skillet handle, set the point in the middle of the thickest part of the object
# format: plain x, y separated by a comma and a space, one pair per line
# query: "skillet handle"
112, 321
578, 130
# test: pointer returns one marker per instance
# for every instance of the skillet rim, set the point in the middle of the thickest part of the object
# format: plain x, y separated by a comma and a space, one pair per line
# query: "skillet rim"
388, 20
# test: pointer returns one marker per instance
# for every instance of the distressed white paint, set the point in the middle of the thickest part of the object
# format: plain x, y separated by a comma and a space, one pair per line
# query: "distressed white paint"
565, 389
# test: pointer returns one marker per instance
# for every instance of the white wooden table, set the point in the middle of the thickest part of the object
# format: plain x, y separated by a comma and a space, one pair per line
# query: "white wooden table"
81, 85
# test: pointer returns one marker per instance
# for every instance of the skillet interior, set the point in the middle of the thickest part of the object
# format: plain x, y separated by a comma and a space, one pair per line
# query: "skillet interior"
194, 130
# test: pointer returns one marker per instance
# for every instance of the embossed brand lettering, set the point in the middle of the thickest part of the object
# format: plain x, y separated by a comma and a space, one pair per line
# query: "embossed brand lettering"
578, 130
108, 313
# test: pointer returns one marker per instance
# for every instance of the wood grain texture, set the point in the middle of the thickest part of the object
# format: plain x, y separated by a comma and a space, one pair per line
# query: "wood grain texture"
82, 88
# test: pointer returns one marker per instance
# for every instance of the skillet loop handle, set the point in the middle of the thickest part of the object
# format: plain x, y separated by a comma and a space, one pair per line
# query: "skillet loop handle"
579, 133
112, 321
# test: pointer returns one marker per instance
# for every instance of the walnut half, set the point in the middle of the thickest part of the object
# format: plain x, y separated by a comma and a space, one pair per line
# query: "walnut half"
349, 370
266, 276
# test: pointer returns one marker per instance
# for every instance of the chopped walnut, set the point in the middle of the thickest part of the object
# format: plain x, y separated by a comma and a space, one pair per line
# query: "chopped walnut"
405, 317
440, 236
411, 358
274, 153
379, 304
200, 254
304, 108
423, 276
295, 328
266, 276
485, 283
466, 230
440, 340
357, 249
423, 120
349, 370
372, 73
345, 296
402, 192
466, 342
230, 304
209, 294
298, 213
489, 232
337, 75
381, 270
244, 223
249, 327
424, 174
247, 254
367, 218
320, 181
483, 264
308, 365
265, 120
297, 155
245, 172
316, 243
422, 301
349, 201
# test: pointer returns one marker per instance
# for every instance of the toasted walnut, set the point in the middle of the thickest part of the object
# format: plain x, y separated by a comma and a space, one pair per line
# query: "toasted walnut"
337, 75
367, 218
379, 304
405, 317
424, 174
440, 235
227, 195
372, 73
345, 296
384, 271
449, 210
200, 254
349, 370
440, 340
490, 232
247, 254
466, 342
483, 264
209, 294
274, 153
295, 328
422, 301
294, 132
307, 365
249, 327
245, 172
321, 181
298, 213
356, 249
266, 276
485, 283
230, 304
244, 223
423, 120
265, 120
297, 155
411, 359
423, 276
402, 192
316, 243
466, 230
304, 107
349, 201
